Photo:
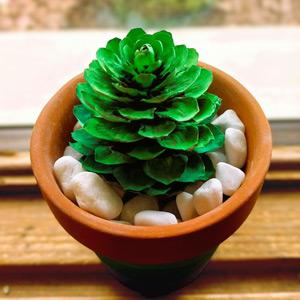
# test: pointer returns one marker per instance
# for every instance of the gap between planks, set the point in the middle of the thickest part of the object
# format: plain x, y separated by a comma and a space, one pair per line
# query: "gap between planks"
235, 296
250, 296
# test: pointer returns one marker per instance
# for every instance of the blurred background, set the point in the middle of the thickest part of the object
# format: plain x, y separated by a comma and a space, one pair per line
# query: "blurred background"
43, 43
91, 14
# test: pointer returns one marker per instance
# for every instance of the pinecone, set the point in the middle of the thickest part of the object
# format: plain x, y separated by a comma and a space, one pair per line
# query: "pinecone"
145, 114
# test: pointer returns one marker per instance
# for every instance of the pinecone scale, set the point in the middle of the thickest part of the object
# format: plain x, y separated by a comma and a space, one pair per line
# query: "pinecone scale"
145, 114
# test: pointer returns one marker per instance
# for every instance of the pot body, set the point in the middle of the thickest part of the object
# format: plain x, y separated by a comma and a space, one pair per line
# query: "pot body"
157, 280
126, 247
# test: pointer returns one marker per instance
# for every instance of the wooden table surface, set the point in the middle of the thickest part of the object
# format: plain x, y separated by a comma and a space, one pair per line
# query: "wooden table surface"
39, 260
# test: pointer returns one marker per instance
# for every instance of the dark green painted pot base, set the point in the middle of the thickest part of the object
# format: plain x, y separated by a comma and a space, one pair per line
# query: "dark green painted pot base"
157, 280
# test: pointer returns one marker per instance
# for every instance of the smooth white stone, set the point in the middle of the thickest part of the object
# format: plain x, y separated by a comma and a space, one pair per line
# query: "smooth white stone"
137, 204
154, 218
69, 151
171, 207
65, 168
77, 126
116, 186
186, 206
191, 188
208, 196
94, 195
229, 119
231, 177
216, 157
235, 147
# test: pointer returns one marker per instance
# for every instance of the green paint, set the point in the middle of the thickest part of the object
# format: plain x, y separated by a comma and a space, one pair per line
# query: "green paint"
144, 105
154, 280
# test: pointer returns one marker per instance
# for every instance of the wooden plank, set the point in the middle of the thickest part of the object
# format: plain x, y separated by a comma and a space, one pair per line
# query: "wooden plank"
287, 154
217, 282
10, 161
14, 138
284, 175
29, 234
18, 180
285, 132
271, 231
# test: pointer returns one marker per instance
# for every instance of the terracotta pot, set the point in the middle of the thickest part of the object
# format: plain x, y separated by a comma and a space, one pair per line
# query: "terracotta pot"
138, 254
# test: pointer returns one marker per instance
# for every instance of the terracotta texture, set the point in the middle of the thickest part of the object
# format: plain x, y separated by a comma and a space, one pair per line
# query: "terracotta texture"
161, 244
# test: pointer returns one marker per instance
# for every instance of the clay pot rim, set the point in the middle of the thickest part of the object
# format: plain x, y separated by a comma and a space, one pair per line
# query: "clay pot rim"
53, 193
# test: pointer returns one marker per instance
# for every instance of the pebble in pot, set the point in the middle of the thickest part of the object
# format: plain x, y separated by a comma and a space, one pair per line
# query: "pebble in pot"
208, 196
94, 195
65, 168
69, 151
191, 188
137, 204
154, 218
77, 126
230, 177
185, 206
235, 147
116, 186
229, 119
216, 157
172, 208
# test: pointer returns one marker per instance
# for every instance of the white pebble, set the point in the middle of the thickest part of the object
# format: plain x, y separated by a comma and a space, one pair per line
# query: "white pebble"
171, 207
77, 126
208, 196
69, 151
137, 204
116, 186
191, 188
154, 218
216, 157
94, 195
235, 147
231, 177
229, 119
186, 206
65, 168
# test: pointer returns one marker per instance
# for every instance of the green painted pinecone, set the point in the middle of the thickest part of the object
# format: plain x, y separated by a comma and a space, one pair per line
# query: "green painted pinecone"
145, 114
